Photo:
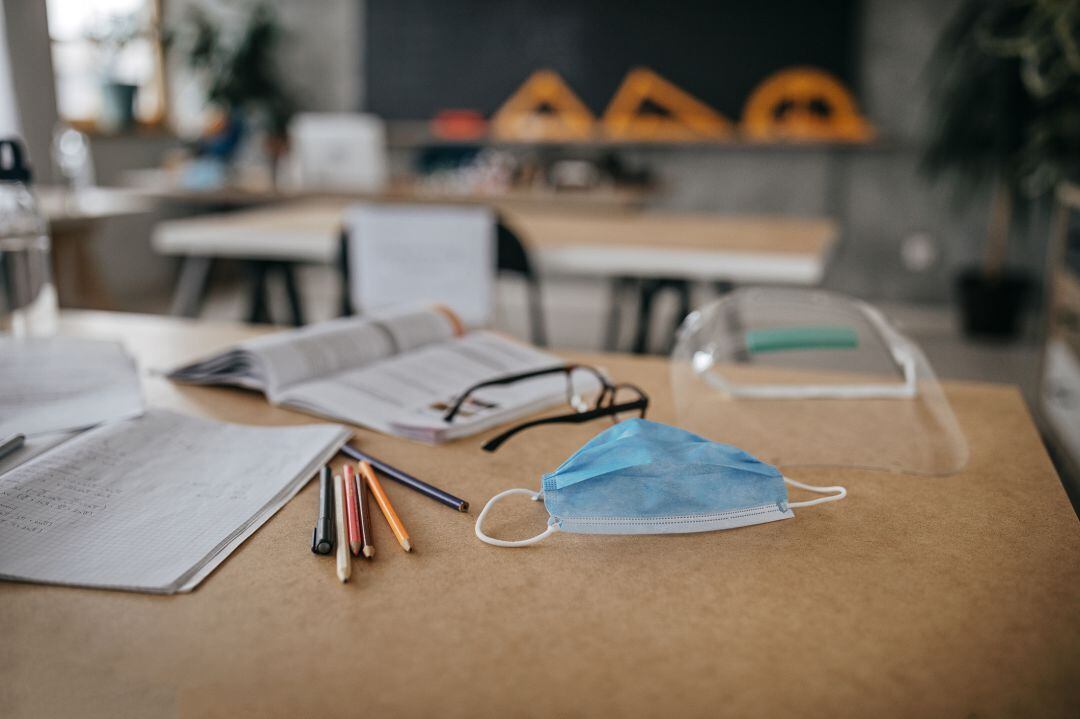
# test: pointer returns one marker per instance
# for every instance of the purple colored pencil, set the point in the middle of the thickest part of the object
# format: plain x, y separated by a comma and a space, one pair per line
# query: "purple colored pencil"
407, 479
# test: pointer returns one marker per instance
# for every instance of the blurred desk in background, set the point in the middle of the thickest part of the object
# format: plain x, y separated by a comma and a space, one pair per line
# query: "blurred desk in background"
703, 247
74, 217
915, 596
615, 245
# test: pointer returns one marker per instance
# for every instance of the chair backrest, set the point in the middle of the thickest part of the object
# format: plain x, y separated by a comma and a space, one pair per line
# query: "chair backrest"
398, 253
511, 256
338, 151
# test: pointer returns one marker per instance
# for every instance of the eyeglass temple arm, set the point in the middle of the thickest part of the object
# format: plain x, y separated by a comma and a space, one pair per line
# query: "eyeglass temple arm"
577, 418
509, 379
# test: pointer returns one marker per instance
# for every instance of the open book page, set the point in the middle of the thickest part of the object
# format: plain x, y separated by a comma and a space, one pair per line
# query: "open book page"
278, 361
409, 393
151, 504
64, 383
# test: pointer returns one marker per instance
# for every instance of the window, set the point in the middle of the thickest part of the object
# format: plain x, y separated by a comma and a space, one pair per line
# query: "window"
107, 60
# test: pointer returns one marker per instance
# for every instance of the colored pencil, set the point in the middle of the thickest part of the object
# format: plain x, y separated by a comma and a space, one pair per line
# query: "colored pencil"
343, 566
428, 490
365, 515
384, 504
352, 511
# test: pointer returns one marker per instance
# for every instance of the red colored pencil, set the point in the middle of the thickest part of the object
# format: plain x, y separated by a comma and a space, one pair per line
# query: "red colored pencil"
352, 511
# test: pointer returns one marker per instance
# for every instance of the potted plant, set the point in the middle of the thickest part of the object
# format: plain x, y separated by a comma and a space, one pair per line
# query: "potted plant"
1005, 104
242, 81
111, 34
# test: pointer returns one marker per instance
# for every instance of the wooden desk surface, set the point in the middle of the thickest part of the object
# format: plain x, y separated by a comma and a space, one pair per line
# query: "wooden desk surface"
633, 243
913, 597
678, 230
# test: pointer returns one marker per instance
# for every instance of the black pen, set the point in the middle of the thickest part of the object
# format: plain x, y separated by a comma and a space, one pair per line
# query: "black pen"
322, 537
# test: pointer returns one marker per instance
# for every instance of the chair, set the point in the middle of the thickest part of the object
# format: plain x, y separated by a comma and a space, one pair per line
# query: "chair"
510, 257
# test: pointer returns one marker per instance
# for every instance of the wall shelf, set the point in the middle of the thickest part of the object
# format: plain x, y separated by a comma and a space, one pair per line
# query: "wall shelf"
409, 134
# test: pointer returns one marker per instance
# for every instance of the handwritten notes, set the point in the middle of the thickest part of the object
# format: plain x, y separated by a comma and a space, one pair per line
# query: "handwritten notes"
151, 504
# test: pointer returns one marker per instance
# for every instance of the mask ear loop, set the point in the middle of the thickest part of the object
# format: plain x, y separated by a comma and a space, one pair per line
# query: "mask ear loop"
837, 493
535, 496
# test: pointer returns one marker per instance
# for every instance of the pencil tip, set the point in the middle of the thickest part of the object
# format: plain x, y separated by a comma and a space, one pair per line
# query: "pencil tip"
407, 545
369, 551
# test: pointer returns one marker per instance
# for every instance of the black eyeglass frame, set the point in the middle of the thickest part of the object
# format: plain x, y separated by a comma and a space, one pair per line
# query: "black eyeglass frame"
605, 405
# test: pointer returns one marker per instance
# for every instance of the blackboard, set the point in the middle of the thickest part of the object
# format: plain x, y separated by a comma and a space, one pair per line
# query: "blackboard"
422, 56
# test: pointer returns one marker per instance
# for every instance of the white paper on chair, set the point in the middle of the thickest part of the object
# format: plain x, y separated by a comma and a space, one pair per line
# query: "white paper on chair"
428, 254
151, 504
63, 383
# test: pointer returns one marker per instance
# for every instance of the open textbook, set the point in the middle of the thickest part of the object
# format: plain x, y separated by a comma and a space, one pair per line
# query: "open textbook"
394, 372
151, 504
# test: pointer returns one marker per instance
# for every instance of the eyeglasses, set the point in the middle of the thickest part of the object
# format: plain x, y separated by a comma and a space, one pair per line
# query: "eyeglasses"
617, 400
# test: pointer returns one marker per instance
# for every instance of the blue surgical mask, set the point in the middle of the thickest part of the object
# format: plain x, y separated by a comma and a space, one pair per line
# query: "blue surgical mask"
642, 477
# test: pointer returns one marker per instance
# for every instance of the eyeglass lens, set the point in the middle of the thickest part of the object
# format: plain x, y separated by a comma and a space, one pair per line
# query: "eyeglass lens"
583, 389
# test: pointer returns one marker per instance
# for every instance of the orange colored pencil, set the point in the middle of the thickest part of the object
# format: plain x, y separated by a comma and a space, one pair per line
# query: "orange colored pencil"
384, 504
352, 511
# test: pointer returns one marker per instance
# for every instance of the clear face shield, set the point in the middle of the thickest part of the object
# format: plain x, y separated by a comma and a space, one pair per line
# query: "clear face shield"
812, 378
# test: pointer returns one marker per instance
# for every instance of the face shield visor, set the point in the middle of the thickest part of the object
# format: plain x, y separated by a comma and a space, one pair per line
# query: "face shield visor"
812, 378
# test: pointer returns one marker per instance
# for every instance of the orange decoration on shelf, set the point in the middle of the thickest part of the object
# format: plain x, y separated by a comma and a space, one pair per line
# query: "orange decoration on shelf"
804, 104
459, 125
544, 108
683, 117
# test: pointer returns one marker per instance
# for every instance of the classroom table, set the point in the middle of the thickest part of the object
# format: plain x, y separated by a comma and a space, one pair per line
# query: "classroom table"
914, 596
696, 246
658, 249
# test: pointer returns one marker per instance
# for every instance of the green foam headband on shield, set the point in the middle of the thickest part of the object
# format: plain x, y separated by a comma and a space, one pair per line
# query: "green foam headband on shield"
779, 339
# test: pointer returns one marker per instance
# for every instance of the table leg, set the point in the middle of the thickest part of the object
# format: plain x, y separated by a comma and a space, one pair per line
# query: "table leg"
258, 311
618, 291
296, 309
646, 294
682, 287
191, 286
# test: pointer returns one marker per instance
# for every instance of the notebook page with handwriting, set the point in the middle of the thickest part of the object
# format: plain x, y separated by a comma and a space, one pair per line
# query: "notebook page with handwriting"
151, 504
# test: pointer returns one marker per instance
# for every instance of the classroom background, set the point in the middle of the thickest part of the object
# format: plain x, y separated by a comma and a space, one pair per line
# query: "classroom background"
843, 122
286, 281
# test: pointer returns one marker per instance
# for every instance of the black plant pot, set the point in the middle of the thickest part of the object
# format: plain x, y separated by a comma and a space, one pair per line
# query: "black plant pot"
992, 307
